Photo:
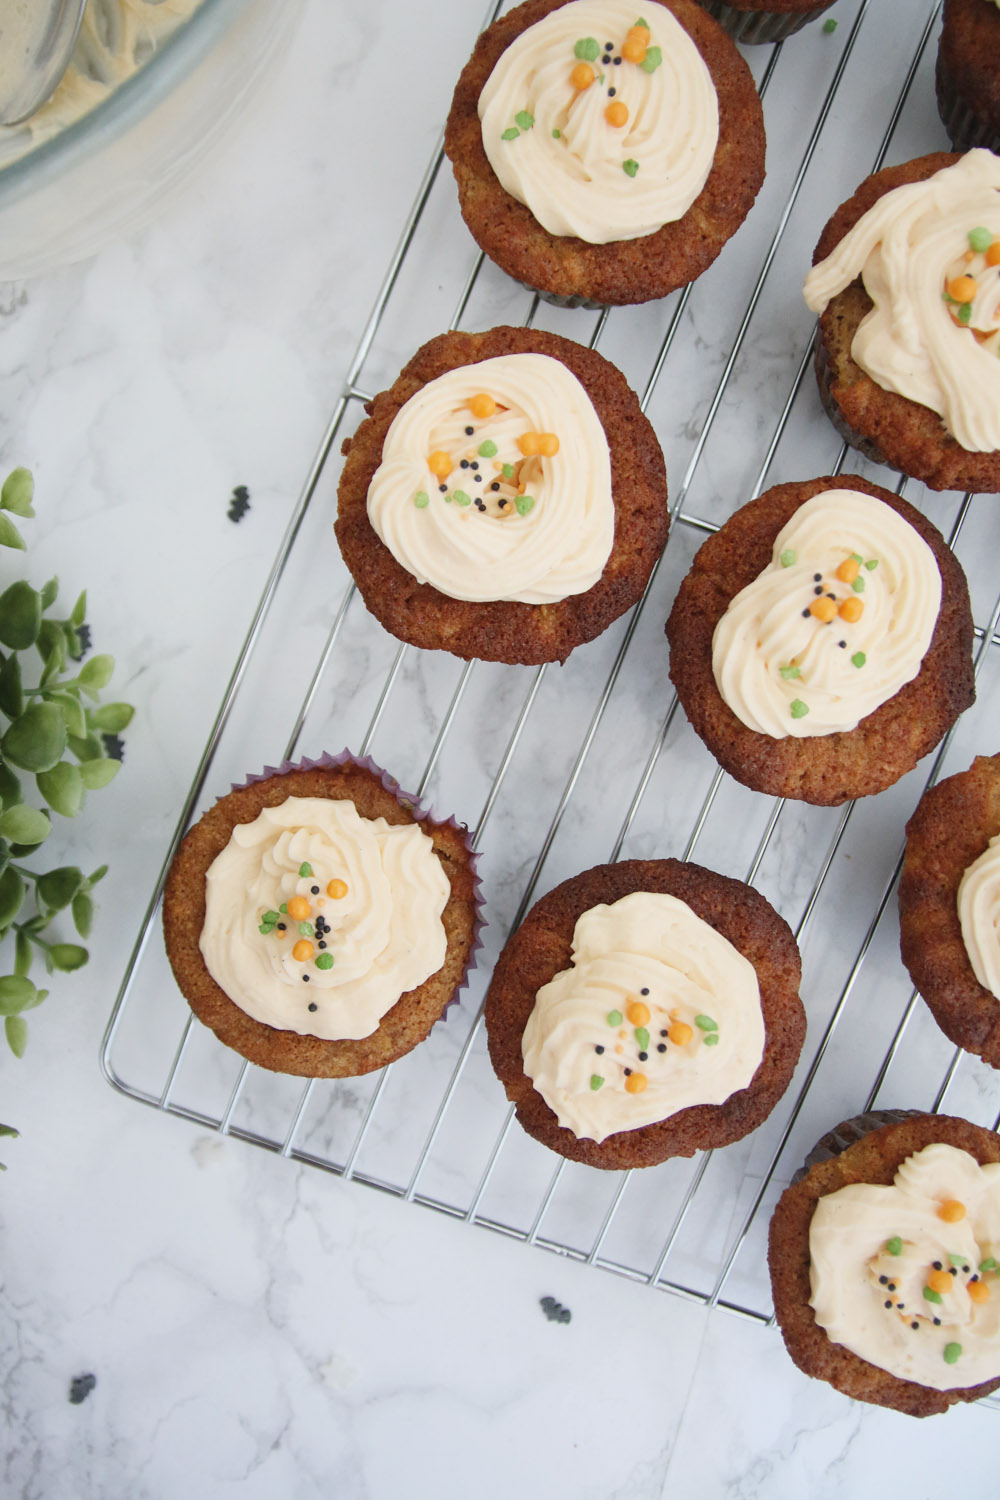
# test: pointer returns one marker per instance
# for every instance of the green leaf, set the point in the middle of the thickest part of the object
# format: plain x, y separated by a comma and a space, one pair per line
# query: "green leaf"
10, 787
36, 739
62, 788
22, 955
17, 1034
24, 825
98, 874
79, 611
96, 674
83, 913
73, 712
11, 896
71, 636
111, 718
17, 492
9, 534
50, 593
51, 643
8, 1130
20, 615
16, 994
4, 855
58, 887
11, 694
68, 956
97, 773
84, 747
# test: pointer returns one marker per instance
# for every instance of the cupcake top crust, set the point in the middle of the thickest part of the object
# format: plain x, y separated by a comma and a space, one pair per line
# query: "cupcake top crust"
602, 153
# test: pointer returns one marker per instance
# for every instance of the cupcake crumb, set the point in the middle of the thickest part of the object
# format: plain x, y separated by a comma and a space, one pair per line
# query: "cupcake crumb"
554, 1311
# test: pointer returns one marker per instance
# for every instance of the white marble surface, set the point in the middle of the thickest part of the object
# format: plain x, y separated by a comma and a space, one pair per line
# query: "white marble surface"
255, 1326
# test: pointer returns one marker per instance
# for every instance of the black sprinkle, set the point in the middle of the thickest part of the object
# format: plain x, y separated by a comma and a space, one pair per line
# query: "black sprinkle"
914, 1326
478, 478
900, 1305
643, 1056
80, 1388
598, 1049
239, 504
887, 1304
661, 1046
314, 889
818, 590
882, 1280
628, 1072
313, 1005
495, 485
469, 431
554, 1311
114, 746
663, 1033
282, 926
965, 1269
609, 46
321, 944
973, 1278
473, 465
464, 464
832, 596
805, 614
612, 93
817, 577
305, 979
643, 992
937, 1265
842, 644
937, 1322
892, 1286
443, 488
617, 61
501, 503
954, 1270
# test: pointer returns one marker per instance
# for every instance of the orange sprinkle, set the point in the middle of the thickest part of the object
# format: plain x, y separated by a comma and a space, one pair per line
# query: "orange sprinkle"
638, 33
528, 443
993, 254
851, 610
548, 444
298, 908
303, 950
952, 1212
616, 113
963, 288
623, 1034
635, 1083
440, 464
582, 76
848, 570
637, 1013
482, 405
978, 1291
939, 1281
823, 608
680, 1033
337, 889
634, 50
619, 1048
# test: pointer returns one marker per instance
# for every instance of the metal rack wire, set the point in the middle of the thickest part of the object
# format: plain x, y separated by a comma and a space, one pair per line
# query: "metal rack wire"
594, 757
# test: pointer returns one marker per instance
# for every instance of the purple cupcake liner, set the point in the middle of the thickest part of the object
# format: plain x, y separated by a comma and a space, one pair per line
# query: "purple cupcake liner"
965, 128
757, 26
849, 1132
422, 812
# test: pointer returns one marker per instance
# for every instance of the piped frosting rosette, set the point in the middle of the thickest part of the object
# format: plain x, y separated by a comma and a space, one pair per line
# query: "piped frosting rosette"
318, 919
602, 119
495, 483
929, 256
657, 1013
836, 624
979, 916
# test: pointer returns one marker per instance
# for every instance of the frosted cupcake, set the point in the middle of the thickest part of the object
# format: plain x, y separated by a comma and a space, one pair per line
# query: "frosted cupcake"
605, 155
645, 1010
318, 921
966, 81
906, 277
885, 1263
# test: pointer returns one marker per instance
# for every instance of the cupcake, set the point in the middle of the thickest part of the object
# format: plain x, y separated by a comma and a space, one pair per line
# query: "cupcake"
318, 920
506, 499
949, 892
746, 21
906, 277
645, 1010
604, 156
885, 1263
822, 641
966, 78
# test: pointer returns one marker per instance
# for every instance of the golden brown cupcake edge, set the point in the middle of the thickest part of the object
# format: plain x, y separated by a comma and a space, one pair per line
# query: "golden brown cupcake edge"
542, 948
624, 271
950, 828
825, 769
506, 630
413, 1015
875, 1159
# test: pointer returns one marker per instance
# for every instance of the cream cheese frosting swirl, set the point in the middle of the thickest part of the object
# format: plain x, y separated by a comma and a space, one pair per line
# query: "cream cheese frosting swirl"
906, 1276
363, 896
495, 483
658, 1012
979, 915
615, 157
834, 626
905, 249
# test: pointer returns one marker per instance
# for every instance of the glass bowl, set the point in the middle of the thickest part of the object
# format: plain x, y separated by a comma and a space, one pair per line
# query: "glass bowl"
111, 170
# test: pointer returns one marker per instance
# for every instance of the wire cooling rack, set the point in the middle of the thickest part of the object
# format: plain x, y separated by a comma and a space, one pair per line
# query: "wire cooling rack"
559, 768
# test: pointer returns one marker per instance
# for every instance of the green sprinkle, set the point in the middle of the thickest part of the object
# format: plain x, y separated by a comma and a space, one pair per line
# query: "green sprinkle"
630, 167
858, 659
306, 929
448, 499
652, 60
872, 564
265, 929
895, 1245
524, 503
958, 1260
712, 1040
507, 471
790, 673
557, 135
283, 909
930, 1295
856, 557
858, 585
487, 449
421, 499
830, 26
587, 49
510, 134
952, 1353
270, 916
980, 239
461, 498
305, 869
705, 1023
642, 22
787, 558
595, 1081
798, 709
324, 961
614, 1018
989, 1264
964, 315
523, 119
642, 1038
